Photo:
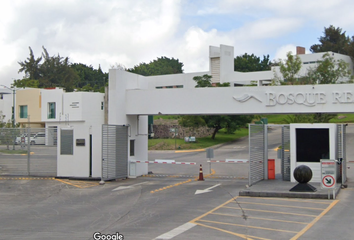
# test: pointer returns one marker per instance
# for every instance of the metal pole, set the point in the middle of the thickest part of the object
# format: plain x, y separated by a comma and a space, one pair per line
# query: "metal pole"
249, 153
28, 150
13, 107
175, 138
265, 158
102, 181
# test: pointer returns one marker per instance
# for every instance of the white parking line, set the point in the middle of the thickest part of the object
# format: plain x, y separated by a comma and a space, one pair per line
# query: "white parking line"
178, 230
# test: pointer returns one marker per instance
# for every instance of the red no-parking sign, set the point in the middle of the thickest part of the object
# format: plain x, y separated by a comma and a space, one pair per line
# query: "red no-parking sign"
328, 173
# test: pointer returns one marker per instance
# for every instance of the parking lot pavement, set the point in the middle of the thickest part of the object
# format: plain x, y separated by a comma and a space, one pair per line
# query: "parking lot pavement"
269, 218
162, 208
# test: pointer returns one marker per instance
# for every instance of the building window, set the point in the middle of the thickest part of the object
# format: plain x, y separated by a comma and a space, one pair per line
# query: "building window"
102, 105
66, 142
23, 111
132, 147
51, 110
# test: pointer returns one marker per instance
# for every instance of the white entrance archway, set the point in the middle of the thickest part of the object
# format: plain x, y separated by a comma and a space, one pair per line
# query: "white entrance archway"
133, 97
130, 102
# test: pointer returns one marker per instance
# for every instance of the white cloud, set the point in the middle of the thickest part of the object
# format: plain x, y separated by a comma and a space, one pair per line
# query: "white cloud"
282, 51
130, 32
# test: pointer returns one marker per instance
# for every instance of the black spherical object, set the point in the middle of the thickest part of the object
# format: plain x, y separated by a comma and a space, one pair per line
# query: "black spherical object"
302, 174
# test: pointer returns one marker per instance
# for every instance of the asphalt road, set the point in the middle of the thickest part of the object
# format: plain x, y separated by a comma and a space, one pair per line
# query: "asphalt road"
171, 207
235, 150
164, 208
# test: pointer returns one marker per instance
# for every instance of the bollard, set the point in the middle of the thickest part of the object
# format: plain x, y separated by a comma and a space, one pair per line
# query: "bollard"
201, 178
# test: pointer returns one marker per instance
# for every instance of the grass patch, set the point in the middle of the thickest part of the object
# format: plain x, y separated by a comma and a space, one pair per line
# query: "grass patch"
341, 118
221, 137
173, 117
14, 151
276, 119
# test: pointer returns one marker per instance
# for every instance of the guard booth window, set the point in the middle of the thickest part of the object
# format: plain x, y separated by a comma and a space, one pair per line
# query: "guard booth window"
132, 147
66, 142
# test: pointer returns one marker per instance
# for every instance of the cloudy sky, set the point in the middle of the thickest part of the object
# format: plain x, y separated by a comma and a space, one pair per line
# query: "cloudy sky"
128, 32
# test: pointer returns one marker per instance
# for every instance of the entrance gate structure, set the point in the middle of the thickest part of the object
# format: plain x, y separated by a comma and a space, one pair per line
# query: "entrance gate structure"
114, 152
341, 152
133, 97
258, 152
285, 153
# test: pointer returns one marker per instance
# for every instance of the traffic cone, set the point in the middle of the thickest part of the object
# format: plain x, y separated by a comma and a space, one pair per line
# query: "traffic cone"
201, 178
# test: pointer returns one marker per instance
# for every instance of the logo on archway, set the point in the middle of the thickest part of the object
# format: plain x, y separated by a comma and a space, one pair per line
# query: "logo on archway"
245, 98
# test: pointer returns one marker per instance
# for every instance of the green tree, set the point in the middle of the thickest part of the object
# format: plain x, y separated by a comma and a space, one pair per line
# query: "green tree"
329, 70
251, 63
90, 79
8, 133
31, 66
289, 70
160, 66
25, 82
191, 121
334, 40
56, 72
229, 122
203, 81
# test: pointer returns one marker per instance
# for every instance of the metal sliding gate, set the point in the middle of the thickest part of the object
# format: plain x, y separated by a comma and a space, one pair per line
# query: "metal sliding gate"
114, 152
341, 152
256, 153
285, 153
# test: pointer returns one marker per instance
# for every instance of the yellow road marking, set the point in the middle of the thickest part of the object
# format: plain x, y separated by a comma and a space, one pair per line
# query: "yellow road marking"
277, 148
195, 150
25, 154
240, 225
207, 213
78, 184
232, 233
268, 219
27, 178
210, 174
167, 187
256, 210
299, 234
279, 205
288, 200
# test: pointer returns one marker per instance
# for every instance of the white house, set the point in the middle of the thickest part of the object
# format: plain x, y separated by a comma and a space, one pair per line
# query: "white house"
6, 104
